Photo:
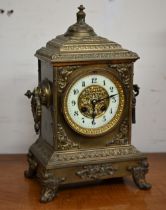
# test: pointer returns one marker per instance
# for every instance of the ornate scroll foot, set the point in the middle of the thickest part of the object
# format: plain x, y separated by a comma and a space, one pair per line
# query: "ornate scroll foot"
139, 173
48, 193
50, 184
31, 172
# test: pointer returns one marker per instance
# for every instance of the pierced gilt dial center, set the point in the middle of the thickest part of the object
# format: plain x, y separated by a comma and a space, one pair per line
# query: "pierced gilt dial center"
93, 101
84, 109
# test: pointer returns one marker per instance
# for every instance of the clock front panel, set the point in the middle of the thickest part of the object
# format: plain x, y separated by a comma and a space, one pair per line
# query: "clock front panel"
94, 105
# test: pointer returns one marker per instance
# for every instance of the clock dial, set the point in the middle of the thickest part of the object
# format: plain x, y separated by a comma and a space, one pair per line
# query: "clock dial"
93, 104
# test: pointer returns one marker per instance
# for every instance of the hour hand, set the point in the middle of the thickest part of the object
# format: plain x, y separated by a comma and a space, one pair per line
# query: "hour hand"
111, 96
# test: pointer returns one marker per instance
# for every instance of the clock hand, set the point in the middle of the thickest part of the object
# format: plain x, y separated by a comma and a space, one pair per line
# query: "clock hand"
93, 102
111, 96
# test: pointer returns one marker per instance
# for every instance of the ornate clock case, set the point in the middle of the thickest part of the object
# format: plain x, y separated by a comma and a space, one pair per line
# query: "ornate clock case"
83, 108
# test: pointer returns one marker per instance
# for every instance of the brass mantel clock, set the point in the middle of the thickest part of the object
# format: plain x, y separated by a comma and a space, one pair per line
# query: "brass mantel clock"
83, 108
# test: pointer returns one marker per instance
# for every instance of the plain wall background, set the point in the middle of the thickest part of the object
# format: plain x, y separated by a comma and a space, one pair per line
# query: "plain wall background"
138, 25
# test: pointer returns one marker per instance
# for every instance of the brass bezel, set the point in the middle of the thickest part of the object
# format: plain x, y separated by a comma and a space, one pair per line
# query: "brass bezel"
112, 123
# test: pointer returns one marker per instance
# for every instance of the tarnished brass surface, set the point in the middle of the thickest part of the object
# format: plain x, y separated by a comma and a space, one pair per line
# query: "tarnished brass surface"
139, 173
65, 152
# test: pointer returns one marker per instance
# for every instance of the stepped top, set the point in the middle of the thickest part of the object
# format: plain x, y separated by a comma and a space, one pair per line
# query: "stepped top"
81, 43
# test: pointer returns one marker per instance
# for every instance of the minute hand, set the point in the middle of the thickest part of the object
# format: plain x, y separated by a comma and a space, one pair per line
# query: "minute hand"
111, 96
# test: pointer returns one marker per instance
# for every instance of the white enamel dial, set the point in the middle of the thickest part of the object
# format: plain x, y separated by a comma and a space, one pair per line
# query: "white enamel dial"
92, 102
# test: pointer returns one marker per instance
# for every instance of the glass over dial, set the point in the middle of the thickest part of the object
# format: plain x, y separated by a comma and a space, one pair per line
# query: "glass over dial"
94, 104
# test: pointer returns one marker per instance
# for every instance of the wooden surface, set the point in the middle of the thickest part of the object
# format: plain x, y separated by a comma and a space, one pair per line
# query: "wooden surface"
18, 193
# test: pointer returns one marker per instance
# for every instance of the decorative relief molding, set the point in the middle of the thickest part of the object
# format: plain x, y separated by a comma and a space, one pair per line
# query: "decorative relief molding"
57, 56
63, 41
93, 154
96, 171
64, 143
124, 71
90, 47
94, 39
94, 56
63, 74
121, 137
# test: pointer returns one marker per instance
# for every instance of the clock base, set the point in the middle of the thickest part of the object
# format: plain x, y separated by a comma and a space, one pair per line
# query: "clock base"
56, 168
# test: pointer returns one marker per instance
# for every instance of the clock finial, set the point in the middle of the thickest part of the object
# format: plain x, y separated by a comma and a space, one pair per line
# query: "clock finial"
81, 15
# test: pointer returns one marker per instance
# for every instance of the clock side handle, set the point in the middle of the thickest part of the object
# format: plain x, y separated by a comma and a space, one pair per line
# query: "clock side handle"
35, 107
136, 89
41, 95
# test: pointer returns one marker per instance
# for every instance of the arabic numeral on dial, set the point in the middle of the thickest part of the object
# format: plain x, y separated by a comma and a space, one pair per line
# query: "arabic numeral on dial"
111, 111
73, 103
83, 120
104, 118
111, 89
93, 122
75, 91
113, 99
94, 80
83, 83
104, 83
75, 113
